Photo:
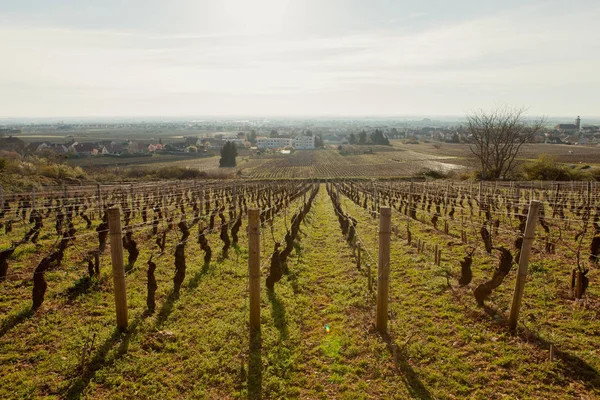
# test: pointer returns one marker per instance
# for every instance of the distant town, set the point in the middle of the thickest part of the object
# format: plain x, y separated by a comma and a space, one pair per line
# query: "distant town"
97, 139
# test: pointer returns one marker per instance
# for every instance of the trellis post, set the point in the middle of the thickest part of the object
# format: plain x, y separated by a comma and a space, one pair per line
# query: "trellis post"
201, 197
118, 268
410, 198
234, 200
164, 204
99, 200
131, 195
523, 263
32, 199
383, 270
254, 267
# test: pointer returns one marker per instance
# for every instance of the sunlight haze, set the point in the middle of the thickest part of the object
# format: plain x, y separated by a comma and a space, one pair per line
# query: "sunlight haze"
291, 57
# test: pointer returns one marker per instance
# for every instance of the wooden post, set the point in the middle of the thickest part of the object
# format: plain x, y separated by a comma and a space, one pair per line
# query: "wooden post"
383, 272
32, 199
573, 281
410, 197
1, 198
201, 197
254, 267
532, 193
131, 194
579, 284
99, 201
116, 254
358, 255
554, 206
165, 209
439, 257
375, 196
369, 278
523, 263
446, 198
234, 200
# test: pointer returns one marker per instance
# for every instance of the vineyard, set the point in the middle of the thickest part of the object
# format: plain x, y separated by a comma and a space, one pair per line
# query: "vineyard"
301, 289
399, 160
331, 163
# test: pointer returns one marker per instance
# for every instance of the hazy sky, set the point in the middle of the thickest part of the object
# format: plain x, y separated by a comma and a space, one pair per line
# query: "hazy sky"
297, 57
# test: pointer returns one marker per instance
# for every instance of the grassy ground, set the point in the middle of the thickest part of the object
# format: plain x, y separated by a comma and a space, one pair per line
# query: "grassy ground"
197, 345
460, 350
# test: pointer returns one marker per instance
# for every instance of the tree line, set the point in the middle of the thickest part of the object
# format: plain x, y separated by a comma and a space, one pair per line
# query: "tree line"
376, 137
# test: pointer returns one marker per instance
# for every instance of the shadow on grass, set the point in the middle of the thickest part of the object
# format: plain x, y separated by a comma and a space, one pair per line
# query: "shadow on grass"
195, 281
293, 275
572, 366
128, 268
298, 249
166, 309
101, 359
278, 313
293, 280
413, 383
82, 286
255, 367
15, 320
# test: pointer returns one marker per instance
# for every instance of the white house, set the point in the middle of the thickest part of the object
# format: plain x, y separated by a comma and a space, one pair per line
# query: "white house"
304, 142
273, 143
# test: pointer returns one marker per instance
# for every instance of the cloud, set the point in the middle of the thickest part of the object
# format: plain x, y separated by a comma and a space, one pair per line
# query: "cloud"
521, 49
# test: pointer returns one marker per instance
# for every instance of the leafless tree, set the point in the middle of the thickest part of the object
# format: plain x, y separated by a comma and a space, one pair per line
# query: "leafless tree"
497, 137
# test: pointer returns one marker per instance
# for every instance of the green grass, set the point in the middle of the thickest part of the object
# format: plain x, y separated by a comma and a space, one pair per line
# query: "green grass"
197, 345
462, 350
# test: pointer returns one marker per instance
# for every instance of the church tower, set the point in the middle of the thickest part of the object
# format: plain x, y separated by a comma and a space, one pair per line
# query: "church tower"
578, 122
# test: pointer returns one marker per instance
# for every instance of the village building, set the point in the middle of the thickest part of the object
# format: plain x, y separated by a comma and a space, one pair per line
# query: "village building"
304, 142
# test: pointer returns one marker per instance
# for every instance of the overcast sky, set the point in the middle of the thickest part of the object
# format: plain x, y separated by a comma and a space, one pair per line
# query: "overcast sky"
297, 57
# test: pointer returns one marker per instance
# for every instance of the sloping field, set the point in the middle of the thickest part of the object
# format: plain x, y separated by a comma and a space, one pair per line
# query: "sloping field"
570, 154
317, 337
330, 163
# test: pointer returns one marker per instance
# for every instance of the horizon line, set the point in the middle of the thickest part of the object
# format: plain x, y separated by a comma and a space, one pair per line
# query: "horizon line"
275, 116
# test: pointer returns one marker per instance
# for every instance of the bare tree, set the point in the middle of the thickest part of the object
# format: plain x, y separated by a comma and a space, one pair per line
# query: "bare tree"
497, 138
